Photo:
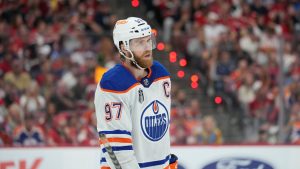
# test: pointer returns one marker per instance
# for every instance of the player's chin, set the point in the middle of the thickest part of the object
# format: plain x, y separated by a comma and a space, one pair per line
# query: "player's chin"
146, 63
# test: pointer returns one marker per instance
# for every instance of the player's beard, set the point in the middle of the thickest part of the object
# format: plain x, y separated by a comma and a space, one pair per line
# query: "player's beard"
145, 62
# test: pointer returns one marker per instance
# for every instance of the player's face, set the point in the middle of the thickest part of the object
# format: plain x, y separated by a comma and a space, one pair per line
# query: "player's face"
142, 51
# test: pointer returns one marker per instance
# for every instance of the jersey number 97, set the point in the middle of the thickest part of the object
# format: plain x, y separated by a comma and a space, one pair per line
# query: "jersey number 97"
113, 107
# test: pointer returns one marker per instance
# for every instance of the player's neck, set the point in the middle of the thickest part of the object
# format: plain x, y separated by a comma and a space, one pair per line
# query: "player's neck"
136, 72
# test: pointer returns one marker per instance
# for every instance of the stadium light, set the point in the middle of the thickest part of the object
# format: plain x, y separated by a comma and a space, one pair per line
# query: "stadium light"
160, 46
194, 85
173, 57
135, 3
218, 100
180, 73
182, 62
194, 78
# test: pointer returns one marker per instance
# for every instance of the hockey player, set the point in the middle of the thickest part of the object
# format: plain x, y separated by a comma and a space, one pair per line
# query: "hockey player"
132, 103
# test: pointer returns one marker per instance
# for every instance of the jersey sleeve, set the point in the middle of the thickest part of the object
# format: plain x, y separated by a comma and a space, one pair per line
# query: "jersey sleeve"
114, 120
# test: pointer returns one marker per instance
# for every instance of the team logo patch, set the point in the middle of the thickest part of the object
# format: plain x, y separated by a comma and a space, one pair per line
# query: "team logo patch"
146, 82
155, 121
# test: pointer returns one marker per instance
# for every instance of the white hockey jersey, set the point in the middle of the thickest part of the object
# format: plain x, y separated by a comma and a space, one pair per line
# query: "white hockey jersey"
135, 116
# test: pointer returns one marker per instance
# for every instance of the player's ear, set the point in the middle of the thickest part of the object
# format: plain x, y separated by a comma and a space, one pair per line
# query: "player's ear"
123, 49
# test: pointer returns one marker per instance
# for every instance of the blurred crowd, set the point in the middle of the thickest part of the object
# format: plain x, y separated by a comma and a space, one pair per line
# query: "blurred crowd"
50, 52
244, 51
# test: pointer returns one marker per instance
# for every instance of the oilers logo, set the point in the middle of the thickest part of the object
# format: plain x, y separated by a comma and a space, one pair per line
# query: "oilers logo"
155, 121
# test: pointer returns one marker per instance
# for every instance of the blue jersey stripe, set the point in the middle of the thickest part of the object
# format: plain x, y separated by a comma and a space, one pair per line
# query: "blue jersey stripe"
103, 160
146, 164
115, 132
118, 148
154, 163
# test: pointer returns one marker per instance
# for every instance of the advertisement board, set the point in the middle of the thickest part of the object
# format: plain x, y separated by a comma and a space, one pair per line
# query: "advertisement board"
190, 157
239, 157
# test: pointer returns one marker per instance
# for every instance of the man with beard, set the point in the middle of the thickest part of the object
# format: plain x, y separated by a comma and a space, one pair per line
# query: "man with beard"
132, 103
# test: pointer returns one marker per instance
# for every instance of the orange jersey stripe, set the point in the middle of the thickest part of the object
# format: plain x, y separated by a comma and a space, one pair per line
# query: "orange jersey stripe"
123, 91
150, 72
164, 77
172, 166
168, 167
104, 167
117, 140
